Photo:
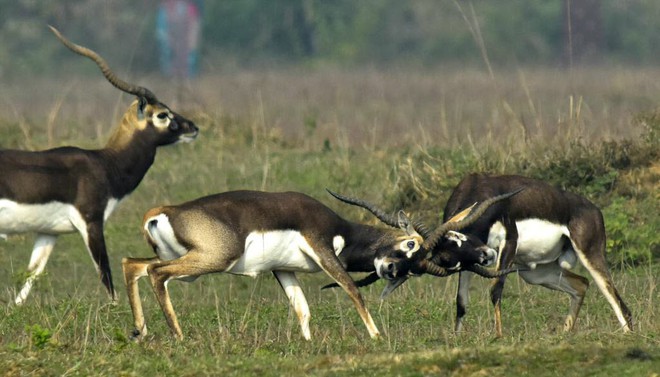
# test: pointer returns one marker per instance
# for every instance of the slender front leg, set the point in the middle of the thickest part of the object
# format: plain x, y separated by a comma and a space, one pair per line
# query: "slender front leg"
327, 260
95, 242
134, 269
43, 246
507, 253
291, 287
462, 298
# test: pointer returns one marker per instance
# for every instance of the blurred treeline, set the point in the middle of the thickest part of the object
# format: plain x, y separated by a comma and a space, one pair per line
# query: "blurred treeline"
344, 32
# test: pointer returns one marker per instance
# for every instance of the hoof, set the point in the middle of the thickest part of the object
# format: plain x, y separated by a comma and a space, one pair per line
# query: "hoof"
136, 335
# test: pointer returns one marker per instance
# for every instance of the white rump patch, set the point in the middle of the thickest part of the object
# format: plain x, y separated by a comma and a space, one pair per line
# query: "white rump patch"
285, 250
161, 233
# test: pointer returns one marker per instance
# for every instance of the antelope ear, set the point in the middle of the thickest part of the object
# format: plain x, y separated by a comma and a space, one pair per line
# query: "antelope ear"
142, 104
461, 215
405, 223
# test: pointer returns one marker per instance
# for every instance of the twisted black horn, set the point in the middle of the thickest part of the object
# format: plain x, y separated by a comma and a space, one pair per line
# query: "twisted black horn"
433, 269
388, 219
432, 240
421, 228
114, 80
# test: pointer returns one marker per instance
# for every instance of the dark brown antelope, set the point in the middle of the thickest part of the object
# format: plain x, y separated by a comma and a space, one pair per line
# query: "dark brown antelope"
68, 189
252, 232
544, 230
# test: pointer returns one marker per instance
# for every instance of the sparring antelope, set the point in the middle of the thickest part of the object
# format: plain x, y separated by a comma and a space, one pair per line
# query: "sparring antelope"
252, 232
68, 189
543, 230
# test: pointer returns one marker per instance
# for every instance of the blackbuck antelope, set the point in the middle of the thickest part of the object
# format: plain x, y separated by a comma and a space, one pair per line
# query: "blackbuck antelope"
544, 230
251, 232
69, 189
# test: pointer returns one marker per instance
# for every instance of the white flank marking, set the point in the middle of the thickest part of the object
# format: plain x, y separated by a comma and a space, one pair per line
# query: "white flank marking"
285, 250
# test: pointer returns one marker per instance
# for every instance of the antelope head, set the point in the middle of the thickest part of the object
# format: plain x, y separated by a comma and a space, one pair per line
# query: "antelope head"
433, 256
395, 248
148, 116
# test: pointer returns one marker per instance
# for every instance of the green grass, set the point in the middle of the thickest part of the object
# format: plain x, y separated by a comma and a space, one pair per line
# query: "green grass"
242, 326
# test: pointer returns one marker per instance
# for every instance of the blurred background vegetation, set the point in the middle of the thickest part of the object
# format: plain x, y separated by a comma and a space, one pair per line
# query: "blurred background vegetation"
344, 32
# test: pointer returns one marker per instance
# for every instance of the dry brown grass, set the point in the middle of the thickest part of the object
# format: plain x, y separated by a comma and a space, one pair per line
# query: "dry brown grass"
367, 107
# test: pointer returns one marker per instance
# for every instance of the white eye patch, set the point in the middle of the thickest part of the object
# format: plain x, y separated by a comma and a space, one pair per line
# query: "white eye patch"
161, 119
456, 237
409, 247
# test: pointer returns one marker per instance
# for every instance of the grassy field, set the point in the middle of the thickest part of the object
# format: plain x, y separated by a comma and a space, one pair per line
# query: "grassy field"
394, 138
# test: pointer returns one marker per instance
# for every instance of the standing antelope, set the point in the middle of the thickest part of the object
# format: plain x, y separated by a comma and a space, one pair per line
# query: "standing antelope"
251, 232
69, 189
544, 229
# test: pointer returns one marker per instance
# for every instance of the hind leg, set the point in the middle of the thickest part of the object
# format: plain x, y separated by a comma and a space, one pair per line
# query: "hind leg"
43, 246
134, 269
554, 277
462, 298
191, 265
595, 263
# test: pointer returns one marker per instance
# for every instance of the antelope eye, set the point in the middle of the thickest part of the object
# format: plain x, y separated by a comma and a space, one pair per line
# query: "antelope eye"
162, 115
411, 245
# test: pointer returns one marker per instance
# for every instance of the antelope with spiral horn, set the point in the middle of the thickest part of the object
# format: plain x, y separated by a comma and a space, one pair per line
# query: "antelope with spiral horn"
253, 232
69, 189
544, 231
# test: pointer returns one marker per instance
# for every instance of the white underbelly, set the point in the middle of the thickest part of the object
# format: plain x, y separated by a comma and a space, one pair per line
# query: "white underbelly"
539, 241
283, 250
49, 218
52, 218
